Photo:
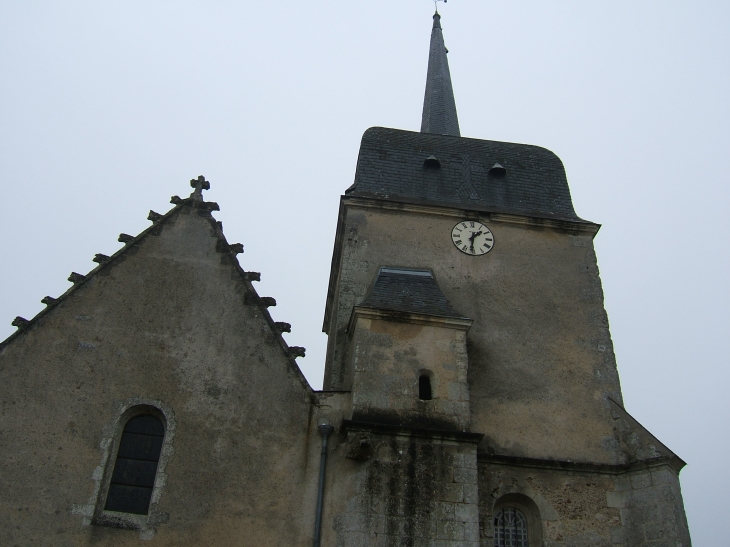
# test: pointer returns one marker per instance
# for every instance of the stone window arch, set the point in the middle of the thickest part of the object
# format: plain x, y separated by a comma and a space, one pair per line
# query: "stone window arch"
137, 472
516, 522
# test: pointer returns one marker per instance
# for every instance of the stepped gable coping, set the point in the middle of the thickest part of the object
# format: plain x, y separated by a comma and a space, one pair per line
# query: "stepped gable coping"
530, 181
204, 208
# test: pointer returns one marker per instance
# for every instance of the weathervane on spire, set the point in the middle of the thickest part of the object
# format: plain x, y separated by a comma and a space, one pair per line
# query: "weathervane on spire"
436, 4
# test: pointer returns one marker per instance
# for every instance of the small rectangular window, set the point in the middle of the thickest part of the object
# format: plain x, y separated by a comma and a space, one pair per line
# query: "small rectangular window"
424, 388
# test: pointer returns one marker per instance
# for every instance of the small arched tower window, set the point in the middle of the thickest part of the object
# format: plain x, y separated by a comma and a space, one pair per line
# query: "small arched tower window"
133, 478
510, 528
424, 388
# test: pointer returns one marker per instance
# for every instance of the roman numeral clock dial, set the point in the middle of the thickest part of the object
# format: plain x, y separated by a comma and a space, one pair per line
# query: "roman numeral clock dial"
472, 238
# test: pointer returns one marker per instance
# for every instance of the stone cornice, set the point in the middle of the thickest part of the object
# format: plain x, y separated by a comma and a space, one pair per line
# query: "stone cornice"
570, 466
571, 226
401, 431
459, 323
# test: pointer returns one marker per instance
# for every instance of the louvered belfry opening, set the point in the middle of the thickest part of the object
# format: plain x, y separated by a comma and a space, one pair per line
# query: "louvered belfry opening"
133, 478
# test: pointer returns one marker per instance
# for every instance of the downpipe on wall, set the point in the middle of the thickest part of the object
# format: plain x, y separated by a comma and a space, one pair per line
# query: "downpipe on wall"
325, 429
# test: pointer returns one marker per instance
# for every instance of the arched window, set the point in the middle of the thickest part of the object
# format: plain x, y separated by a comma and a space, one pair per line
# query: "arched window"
424, 388
133, 478
510, 528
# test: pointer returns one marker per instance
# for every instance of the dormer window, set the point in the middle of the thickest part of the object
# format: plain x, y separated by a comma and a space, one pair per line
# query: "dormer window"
497, 171
432, 162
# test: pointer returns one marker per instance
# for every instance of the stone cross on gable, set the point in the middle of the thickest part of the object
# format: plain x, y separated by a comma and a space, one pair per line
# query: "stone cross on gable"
199, 184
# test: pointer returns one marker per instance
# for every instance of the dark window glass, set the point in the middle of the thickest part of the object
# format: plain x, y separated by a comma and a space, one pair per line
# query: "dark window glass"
424, 388
134, 472
510, 528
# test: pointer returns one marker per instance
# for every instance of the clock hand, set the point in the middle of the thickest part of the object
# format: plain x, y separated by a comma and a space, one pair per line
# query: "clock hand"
472, 237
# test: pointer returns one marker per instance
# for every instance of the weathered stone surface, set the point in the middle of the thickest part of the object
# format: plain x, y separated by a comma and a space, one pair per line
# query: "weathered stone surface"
404, 494
389, 356
166, 327
541, 369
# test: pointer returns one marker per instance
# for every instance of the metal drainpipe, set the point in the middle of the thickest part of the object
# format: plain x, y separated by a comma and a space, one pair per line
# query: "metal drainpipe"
325, 430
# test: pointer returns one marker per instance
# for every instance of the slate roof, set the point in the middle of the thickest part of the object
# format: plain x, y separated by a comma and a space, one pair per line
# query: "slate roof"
392, 165
439, 107
410, 291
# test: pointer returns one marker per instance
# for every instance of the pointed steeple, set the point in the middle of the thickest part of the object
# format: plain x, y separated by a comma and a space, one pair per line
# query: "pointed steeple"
439, 107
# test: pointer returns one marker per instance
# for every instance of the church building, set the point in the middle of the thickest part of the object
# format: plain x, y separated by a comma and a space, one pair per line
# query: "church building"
471, 396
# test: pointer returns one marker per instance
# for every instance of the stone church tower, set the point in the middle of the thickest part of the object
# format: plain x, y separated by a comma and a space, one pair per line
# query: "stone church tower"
471, 396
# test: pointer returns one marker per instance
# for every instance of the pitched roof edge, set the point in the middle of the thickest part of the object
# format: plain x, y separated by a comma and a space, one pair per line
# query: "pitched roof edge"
204, 208
675, 461
86, 277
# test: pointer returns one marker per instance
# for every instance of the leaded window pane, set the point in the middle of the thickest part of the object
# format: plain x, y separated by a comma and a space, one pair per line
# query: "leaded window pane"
510, 528
133, 477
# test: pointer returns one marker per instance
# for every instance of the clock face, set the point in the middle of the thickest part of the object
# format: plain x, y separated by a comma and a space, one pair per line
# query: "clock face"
472, 237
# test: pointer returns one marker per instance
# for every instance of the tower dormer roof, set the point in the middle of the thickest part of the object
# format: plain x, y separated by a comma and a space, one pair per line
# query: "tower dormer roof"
409, 291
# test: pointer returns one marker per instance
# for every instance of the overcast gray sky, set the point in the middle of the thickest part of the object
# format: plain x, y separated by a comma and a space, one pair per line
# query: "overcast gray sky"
109, 108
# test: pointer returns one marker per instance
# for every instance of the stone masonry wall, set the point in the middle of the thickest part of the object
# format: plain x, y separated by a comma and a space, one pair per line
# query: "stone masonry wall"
415, 492
652, 514
387, 359
541, 362
589, 509
166, 325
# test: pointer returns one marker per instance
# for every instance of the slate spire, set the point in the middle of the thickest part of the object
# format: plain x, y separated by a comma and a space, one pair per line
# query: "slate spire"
439, 107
